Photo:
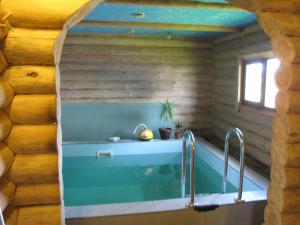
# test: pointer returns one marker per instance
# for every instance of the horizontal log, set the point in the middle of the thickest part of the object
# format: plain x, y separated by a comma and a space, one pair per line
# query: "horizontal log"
252, 48
252, 151
249, 137
31, 79
287, 201
274, 217
102, 50
133, 93
3, 62
278, 23
290, 6
6, 159
117, 41
41, 14
11, 216
6, 94
184, 60
130, 84
30, 47
285, 153
178, 101
243, 43
38, 194
247, 114
115, 76
33, 109
288, 102
5, 125
7, 192
285, 177
46, 215
246, 31
288, 127
123, 67
35, 168
32, 139
287, 49
287, 77
254, 127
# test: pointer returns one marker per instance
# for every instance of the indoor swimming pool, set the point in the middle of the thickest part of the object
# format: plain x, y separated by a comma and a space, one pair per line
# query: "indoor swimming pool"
130, 171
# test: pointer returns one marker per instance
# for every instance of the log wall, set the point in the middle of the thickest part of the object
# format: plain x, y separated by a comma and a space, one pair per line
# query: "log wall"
32, 34
256, 125
120, 70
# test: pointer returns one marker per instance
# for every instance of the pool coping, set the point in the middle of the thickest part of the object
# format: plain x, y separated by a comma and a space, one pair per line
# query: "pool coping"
159, 205
178, 203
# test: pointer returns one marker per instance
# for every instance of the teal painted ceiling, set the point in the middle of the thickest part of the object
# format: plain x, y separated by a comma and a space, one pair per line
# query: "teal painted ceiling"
119, 12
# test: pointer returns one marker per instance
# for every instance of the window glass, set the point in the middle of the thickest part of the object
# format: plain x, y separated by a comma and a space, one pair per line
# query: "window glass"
253, 82
271, 88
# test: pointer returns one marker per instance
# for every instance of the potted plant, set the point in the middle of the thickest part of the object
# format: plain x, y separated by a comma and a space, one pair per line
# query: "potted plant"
166, 115
178, 130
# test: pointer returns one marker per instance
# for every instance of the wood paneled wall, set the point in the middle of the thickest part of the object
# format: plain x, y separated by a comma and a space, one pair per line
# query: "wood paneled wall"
255, 124
106, 70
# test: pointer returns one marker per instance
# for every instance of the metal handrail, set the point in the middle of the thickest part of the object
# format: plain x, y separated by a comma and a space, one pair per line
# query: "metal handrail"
136, 129
239, 134
188, 136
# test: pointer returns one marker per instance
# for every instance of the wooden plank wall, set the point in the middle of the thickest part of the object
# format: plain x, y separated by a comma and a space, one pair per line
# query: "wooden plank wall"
106, 70
255, 124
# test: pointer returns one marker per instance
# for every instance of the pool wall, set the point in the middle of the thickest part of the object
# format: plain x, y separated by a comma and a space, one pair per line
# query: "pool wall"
99, 121
246, 214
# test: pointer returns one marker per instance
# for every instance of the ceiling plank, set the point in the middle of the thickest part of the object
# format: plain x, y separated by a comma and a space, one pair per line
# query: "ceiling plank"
162, 26
177, 3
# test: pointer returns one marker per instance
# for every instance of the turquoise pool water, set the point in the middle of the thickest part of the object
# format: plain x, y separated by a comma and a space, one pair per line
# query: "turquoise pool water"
147, 175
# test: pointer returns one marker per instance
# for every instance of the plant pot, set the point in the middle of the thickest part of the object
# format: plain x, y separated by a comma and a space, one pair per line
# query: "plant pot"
165, 133
178, 134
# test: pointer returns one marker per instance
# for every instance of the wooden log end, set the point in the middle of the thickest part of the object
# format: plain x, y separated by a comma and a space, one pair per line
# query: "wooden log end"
6, 94
35, 169
33, 109
26, 139
6, 159
5, 125
31, 79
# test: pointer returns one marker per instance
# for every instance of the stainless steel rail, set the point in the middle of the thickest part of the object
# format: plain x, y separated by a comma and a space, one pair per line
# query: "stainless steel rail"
239, 134
188, 136
136, 129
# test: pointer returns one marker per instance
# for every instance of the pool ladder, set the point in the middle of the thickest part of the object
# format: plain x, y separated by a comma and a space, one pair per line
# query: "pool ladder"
239, 134
188, 137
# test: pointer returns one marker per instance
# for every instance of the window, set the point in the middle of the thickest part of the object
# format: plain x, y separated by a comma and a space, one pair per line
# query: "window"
258, 88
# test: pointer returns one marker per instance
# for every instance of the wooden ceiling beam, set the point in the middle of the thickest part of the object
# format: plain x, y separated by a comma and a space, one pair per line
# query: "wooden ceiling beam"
162, 26
177, 3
